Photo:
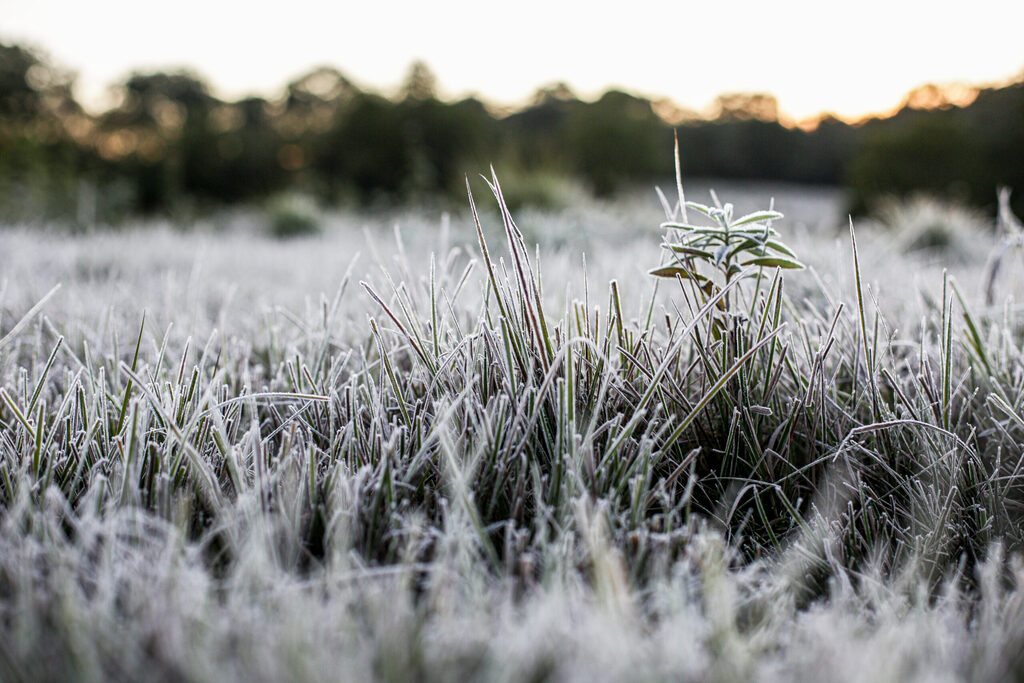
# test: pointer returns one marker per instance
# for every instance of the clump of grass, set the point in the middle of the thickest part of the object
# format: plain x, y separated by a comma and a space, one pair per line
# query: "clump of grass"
292, 215
445, 476
539, 190
713, 258
929, 225
1011, 241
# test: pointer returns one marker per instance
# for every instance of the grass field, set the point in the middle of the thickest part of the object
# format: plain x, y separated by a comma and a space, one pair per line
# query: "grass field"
409, 448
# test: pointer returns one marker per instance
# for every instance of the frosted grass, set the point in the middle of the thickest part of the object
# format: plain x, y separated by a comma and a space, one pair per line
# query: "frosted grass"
380, 533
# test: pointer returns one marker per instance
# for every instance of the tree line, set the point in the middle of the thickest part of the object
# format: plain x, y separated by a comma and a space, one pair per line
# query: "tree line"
170, 144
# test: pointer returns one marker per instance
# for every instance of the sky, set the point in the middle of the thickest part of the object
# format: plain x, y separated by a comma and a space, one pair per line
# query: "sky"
850, 58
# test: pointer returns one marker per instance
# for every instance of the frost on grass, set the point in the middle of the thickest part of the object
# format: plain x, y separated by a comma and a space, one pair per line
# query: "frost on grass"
484, 467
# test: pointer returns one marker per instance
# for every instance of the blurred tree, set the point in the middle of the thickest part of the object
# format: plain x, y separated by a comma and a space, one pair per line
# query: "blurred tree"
823, 152
746, 107
248, 162
364, 151
618, 138
538, 134
319, 86
932, 151
173, 142
446, 142
932, 96
40, 126
420, 83
996, 117
19, 100
160, 136
32, 91
313, 102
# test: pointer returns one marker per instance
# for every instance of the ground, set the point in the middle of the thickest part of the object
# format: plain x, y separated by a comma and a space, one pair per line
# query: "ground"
377, 453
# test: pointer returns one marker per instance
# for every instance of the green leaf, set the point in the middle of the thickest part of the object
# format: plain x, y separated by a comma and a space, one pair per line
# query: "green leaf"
677, 271
761, 248
757, 216
694, 229
718, 234
779, 246
774, 262
679, 226
744, 246
760, 234
703, 208
688, 250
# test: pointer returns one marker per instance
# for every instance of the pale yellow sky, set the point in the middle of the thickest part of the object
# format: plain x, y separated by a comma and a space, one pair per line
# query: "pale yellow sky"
850, 58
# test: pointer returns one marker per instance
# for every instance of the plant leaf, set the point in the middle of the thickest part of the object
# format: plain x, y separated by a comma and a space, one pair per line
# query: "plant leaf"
744, 246
780, 247
774, 262
676, 271
688, 250
720, 254
674, 225
757, 216
696, 206
760, 234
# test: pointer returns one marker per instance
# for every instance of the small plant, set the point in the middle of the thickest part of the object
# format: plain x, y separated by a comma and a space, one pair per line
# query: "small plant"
292, 216
728, 250
930, 225
716, 257
1011, 234
726, 246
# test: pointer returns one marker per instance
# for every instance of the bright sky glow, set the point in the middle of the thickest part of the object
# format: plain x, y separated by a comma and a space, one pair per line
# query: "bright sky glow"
851, 58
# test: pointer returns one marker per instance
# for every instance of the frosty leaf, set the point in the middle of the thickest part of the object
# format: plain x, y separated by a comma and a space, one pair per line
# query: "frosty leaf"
774, 262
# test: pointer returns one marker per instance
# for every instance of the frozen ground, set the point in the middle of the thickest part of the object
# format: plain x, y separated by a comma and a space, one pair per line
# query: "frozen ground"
164, 532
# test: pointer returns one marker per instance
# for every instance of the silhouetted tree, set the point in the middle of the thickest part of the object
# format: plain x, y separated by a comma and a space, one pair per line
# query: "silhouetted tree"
420, 83
173, 141
746, 107
618, 138
922, 151
365, 151
41, 159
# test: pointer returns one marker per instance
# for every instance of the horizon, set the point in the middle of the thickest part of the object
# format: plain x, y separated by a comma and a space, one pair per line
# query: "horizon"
242, 51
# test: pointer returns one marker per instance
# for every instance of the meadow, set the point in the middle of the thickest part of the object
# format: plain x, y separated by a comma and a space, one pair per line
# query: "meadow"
486, 446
